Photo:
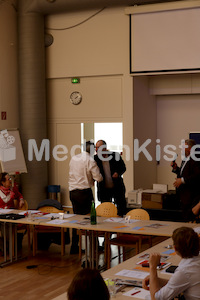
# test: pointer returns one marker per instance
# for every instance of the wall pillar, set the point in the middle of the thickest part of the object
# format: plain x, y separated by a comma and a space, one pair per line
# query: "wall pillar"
32, 98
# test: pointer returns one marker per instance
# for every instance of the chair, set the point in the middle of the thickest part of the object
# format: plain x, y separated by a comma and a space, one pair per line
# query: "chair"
129, 240
24, 207
105, 209
48, 229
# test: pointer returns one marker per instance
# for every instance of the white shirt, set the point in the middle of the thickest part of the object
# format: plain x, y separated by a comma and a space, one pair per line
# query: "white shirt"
83, 170
186, 280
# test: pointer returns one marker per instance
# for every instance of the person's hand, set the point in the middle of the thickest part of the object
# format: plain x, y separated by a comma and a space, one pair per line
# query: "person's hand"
196, 209
177, 182
115, 175
21, 203
173, 164
154, 260
145, 282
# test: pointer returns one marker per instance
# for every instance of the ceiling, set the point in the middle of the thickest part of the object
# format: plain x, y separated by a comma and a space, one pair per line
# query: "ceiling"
56, 6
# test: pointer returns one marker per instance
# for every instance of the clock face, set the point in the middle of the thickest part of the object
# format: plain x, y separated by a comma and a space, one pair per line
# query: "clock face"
76, 98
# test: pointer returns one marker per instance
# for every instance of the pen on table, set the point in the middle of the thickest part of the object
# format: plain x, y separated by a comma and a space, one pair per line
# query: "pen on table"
135, 293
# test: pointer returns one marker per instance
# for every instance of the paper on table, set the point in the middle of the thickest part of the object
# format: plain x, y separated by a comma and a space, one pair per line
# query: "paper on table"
5, 210
137, 293
117, 220
66, 216
120, 220
132, 274
57, 221
156, 225
138, 228
170, 252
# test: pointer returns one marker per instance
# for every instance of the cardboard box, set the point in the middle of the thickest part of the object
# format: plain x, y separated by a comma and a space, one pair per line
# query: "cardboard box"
151, 204
152, 199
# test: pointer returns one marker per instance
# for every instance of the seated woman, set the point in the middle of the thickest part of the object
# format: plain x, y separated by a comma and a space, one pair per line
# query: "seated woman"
9, 193
88, 284
7, 196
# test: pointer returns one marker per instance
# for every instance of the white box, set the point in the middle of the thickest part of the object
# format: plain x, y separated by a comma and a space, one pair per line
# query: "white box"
135, 197
160, 188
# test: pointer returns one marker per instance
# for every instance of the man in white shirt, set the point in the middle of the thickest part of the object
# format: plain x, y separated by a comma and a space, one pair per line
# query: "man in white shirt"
83, 171
186, 278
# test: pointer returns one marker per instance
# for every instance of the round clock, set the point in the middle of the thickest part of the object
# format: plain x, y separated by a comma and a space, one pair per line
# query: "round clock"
76, 98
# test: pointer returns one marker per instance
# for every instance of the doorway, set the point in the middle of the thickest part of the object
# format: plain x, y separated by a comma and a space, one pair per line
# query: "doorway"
111, 133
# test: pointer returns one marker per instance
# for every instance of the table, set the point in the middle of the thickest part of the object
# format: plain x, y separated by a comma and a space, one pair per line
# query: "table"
131, 264
164, 228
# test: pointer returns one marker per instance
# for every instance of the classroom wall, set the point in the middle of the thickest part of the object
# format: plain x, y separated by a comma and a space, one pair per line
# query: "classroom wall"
97, 52
8, 66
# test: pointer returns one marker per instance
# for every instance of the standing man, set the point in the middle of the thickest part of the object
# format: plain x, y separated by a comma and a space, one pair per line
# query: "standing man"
111, 167
187, 181
83, 171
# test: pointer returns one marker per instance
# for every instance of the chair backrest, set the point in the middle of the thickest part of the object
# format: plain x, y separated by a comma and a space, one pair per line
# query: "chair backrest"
106, 209
24, 207
138, 214
50, 202
50, 209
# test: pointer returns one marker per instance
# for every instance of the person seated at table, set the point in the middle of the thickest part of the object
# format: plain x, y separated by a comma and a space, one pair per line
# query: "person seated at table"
88, 284
186, 278
7, 196
9, 193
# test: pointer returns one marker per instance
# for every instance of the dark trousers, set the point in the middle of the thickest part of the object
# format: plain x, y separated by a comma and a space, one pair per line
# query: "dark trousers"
81, 202
116, 193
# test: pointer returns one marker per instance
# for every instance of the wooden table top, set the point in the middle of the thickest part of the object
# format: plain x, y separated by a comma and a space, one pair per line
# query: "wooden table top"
150, 227
130, 264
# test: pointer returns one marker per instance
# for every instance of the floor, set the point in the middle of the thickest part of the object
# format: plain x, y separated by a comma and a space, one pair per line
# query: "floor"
47, 275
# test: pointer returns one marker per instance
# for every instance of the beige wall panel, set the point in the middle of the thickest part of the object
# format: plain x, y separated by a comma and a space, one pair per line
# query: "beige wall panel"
102, 97
176, 117
170, 84
96, 47
67, 135
144, 128
195, 83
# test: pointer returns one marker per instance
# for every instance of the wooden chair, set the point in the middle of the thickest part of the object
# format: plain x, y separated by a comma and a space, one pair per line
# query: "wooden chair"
105, 209
24, 207
48, 229
129, 240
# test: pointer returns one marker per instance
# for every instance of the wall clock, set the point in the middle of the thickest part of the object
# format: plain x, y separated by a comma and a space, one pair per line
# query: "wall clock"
75, 98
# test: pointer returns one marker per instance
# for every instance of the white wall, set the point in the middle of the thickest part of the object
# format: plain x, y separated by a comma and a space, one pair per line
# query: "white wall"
97, 52
176, 117
178, 107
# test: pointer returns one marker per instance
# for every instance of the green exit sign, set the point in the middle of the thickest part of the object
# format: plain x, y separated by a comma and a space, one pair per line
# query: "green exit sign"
75, 80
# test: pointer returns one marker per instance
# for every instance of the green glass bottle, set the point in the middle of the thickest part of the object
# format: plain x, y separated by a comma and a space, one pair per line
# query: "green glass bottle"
93, 216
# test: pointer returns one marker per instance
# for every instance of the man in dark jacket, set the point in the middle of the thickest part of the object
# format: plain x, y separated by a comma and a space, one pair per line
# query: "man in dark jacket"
111, 167
187, 181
